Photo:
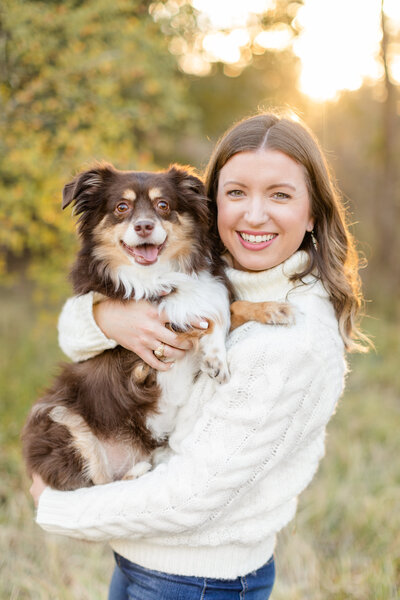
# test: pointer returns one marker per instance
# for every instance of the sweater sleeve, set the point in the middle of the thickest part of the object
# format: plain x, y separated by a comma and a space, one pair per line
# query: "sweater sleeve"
270, 407
79, 336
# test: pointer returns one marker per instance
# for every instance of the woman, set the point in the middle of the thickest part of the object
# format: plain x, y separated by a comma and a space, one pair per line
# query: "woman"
203, 523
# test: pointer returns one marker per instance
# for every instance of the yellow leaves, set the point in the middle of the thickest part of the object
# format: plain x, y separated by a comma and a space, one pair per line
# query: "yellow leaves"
83, 81
152, 87
89, 29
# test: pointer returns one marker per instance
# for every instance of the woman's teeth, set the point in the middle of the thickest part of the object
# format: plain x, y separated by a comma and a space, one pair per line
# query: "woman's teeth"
256, 239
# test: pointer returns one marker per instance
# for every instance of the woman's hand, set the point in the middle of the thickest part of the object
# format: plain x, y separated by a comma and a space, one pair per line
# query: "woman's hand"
138, 327
37, 487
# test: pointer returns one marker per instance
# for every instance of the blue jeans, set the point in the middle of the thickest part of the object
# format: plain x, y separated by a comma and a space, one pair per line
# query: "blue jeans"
132, 582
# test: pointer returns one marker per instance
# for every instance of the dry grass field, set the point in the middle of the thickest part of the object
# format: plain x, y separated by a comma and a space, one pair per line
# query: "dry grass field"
344, 543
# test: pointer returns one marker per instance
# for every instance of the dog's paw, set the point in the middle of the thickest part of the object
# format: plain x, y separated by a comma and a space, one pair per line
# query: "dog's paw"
137, 470
279, 313
215, 367
268, 313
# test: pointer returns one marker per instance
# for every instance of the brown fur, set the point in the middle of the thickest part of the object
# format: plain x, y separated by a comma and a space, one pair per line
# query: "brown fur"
105, 392
272, 313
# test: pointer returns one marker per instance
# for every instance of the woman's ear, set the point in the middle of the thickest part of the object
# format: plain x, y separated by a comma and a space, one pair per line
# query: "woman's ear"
310, 224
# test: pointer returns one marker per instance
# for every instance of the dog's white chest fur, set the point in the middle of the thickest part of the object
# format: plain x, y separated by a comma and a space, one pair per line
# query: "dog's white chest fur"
197, 297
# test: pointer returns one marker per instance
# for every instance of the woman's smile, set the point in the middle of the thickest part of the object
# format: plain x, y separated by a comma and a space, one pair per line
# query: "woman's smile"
256, 240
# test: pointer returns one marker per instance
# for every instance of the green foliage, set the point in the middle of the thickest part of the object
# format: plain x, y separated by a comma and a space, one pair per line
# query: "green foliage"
78, 81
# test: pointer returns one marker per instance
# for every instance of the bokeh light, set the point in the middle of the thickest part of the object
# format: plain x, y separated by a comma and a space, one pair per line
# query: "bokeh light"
338, 42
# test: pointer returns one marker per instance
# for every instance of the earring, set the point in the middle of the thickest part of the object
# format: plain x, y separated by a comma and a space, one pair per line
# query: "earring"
314, 240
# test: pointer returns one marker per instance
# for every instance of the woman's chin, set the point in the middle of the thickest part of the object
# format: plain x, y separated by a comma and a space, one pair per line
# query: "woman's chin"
255, 261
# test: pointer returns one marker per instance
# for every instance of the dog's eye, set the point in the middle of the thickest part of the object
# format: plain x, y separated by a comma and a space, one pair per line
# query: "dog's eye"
121, 208
163, 205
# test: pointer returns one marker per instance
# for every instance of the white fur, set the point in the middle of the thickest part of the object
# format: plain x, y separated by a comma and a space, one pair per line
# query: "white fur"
146, 281
196, 297
157, 236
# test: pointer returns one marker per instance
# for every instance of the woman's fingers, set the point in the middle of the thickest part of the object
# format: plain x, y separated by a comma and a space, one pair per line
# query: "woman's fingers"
202, 324
176, 341
154, 362
139, 327
168, 337
168, 352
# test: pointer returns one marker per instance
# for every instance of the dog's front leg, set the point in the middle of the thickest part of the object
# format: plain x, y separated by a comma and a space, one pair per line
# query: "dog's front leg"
272, 313
213, 353
137, 470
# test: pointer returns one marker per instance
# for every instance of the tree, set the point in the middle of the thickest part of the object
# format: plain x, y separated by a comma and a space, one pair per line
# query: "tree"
388, 205
78, 81
98, 80
263, 75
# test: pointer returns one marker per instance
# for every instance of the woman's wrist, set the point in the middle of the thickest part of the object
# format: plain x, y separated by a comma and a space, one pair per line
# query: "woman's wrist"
102, 313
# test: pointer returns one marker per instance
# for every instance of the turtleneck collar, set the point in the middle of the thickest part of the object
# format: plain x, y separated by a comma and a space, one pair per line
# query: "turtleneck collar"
272, 284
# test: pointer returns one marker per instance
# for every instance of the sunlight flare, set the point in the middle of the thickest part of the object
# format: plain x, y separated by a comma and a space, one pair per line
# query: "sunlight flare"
337, 50
338, 43
231, 13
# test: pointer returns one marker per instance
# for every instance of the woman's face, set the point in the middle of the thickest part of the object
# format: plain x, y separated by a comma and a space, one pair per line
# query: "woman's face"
263, 208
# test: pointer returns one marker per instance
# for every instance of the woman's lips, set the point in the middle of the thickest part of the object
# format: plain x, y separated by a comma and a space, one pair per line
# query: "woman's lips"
256, 240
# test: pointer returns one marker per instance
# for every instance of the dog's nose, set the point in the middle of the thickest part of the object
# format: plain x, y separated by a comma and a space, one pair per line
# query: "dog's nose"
144, 228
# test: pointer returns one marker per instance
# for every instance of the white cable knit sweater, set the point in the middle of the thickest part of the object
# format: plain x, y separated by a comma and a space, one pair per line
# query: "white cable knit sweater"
241, 452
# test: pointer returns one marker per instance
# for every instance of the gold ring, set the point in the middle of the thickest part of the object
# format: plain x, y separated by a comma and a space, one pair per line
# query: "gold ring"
159, 352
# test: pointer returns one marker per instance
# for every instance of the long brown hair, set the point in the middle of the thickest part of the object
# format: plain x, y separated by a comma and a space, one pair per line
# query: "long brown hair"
330, 247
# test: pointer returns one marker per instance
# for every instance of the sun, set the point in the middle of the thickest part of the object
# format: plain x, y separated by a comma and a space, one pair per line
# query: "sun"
338, 49
338, 44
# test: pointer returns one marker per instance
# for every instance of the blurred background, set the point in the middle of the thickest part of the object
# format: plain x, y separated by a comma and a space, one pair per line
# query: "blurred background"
144, 84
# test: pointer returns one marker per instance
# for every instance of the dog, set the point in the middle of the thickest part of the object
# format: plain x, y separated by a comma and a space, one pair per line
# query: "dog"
146, 236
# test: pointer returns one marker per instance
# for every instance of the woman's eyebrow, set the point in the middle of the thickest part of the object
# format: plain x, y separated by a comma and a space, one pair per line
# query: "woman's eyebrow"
232, 182
278, 185
270, 187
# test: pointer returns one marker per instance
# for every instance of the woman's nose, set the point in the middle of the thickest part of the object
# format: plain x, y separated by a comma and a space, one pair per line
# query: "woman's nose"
257, 211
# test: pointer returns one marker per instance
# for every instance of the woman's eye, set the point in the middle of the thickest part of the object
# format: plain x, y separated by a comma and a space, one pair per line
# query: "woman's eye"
163, 205
281, 196
235, 193
121, 208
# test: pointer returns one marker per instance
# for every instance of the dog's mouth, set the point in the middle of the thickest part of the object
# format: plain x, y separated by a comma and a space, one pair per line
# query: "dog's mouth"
144, 254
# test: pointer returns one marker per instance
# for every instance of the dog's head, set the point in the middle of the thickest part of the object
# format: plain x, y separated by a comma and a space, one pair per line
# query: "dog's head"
140, 219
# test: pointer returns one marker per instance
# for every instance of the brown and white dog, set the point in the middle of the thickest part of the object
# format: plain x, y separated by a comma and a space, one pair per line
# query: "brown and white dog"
143, 236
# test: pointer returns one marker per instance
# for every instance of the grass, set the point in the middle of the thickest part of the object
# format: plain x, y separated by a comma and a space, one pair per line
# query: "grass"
34, 565
343, 545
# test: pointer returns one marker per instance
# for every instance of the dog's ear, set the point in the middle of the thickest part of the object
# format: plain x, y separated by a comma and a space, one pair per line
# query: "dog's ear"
185, 178
192, 191
85, 185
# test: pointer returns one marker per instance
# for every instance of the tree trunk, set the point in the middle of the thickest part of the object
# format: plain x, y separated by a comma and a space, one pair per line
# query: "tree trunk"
388, 199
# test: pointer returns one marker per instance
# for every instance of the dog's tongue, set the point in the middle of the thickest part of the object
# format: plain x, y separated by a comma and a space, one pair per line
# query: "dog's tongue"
146, 254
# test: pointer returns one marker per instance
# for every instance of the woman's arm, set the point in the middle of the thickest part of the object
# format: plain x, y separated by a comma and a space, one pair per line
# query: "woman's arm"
79, 335
275, 401
88, 326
